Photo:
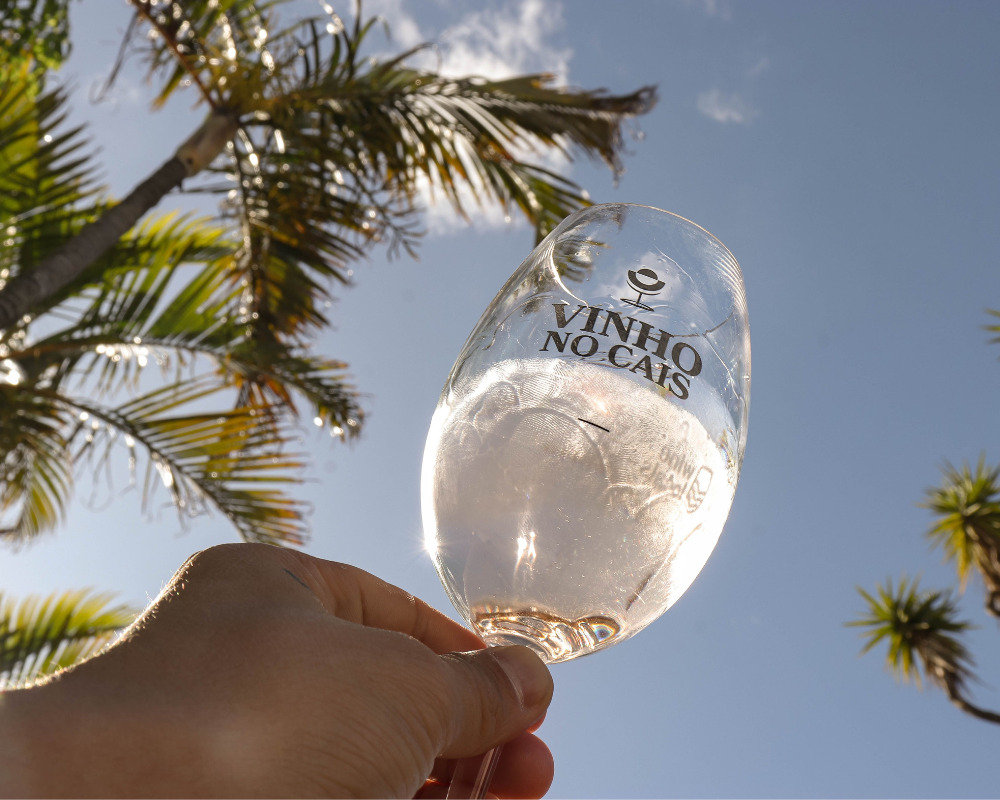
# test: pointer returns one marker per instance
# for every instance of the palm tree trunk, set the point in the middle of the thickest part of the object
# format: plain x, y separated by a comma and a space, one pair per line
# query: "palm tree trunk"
986, 542
993, 602
66, 263
956, 698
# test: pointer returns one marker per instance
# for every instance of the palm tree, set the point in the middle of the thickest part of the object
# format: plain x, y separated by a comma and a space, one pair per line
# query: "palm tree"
968, 527
39, 637
317, 154
324, 148
920, 628
105, 326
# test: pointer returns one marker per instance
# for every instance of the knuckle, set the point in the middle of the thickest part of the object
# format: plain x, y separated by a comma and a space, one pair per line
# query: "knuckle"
223, 556
483, 705
428, 683
422, 615
413, 691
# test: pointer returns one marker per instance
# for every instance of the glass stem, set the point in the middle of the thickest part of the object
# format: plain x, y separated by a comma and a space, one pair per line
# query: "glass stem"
473, 775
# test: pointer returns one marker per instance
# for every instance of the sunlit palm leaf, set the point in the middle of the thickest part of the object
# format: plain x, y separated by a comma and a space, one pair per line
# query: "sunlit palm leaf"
331, 156
333, 148
46, 180
128, 324
967, 505
35, 470
233, 461
201, 41
112, 304
124, 286
42, 164
35, 31
40, 636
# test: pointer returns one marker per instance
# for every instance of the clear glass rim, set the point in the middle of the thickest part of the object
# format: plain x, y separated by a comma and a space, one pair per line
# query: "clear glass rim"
669, 214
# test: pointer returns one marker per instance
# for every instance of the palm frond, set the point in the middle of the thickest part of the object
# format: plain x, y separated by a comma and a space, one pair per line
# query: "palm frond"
199, 41
122, 287
922, 630
993, 328
333, 147
232, 461
268, 373
235, 461
34, 31
47, 183
112, 304
130, 323
40, 636
44, 169
967, 507
36, 472
919, 628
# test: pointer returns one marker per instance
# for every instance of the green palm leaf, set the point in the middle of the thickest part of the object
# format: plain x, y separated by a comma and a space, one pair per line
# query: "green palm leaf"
330, 154
233, 461
332, 147
46, 180
35, 31
35, 472
129, 323
967, 505
123, 287
40, 636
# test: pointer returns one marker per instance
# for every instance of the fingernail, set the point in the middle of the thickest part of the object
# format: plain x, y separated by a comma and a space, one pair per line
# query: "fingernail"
526, 671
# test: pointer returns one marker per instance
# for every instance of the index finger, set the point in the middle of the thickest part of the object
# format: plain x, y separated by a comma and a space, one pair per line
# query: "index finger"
357, 596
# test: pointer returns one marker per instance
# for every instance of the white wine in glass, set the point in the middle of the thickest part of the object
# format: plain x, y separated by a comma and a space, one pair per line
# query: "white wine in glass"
583, 456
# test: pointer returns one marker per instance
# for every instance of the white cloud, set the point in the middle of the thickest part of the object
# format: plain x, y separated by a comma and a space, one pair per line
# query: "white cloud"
724, 108
514, 39
493, 43
403, 27
509, 41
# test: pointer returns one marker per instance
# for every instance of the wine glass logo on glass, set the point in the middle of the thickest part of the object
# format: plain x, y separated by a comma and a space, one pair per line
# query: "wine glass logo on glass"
583, 456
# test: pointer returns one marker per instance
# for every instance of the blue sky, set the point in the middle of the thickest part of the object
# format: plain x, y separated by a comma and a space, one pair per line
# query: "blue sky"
846, 154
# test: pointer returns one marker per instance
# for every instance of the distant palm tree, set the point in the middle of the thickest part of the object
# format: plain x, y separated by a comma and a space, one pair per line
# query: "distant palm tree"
968, 506
920, 629
317, 153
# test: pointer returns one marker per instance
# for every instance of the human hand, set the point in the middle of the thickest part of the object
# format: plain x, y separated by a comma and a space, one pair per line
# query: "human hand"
261, 671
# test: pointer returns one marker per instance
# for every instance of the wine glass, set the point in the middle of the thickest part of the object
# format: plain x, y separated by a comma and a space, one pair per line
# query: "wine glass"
582, 459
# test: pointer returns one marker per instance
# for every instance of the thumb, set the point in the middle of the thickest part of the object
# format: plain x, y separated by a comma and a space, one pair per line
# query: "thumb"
496, 694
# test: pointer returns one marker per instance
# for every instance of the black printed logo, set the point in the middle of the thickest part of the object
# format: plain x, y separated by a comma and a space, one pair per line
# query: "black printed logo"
644, 281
